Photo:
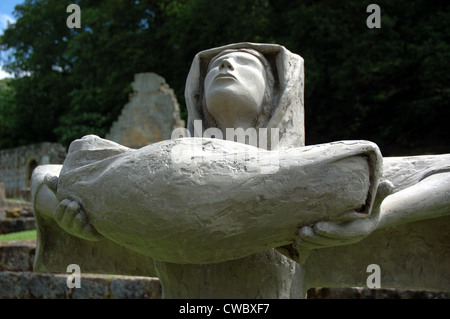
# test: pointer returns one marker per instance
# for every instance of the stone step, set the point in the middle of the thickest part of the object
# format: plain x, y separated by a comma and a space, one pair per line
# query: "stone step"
18, 281
366, 293
17, 255
29, 285
15, 217
13, 225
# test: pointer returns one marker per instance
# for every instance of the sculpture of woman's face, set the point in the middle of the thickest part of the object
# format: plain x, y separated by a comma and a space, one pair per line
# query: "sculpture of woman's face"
234, 89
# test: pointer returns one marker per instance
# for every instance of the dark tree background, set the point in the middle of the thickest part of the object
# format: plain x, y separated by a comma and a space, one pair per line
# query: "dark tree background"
389, 85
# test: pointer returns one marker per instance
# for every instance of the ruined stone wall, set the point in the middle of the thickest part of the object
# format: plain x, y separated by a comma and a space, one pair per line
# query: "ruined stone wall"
17, 164
150, 116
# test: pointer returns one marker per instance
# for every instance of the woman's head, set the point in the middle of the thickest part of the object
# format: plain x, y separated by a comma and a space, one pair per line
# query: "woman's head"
282, 101
238, 89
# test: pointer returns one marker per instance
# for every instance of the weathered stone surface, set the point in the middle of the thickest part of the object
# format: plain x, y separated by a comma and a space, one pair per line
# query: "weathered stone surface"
127, 287
13, 285
18, 281
411, 256
2, 195
12, 225
29, 285
44, 286
17, 164
13, 213
200, 211
366, 293
236, 192
17, 255
151, 114
26, 208
16, 216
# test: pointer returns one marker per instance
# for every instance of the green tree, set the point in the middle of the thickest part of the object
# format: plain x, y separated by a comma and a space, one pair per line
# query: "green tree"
388, 85
76, 80
7, 107
115, 42
38, 44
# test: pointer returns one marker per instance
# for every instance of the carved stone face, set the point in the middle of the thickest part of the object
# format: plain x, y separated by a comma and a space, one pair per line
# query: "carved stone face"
234, 89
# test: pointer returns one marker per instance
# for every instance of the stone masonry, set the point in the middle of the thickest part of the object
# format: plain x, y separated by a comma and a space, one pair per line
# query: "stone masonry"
18, 281
17, 164
150, 116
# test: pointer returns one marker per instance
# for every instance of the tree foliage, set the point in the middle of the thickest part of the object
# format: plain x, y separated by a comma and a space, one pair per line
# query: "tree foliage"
388, 85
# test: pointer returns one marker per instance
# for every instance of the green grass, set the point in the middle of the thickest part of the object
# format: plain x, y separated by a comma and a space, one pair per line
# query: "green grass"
22, 235
17, 200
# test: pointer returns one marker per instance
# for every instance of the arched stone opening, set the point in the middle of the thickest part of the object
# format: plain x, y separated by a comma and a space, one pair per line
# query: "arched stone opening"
32, 164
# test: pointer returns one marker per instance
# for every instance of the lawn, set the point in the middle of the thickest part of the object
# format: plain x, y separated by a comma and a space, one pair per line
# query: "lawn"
23, 235
17, 200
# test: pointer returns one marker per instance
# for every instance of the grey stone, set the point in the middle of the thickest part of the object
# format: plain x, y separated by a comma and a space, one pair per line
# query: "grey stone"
13, 285
2, 195
17, 164
151, 114
92, 287
17, 225
29, 285
366, 293
127, 287
47, 286
17, 255
221, 220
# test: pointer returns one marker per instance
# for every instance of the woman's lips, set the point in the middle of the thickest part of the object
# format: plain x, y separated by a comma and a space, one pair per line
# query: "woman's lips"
225, 76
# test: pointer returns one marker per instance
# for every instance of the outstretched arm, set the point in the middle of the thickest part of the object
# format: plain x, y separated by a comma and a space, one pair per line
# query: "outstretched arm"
352, 229
150, 201
429, 198
67, 214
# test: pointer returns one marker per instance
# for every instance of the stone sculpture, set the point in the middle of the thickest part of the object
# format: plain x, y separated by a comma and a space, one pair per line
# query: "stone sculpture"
217, 218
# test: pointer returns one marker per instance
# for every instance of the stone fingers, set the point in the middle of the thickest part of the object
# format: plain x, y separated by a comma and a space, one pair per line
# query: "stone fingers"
70, 217
328, 234
355, 226
51, 181
385, 188
60, 211
89, 233
67, 215
309, 238
348, 230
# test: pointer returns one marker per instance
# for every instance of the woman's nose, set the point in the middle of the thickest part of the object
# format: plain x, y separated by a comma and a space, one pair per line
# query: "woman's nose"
226, 64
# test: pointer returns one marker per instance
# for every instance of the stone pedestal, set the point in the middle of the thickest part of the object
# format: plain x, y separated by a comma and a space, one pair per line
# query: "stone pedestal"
266, 275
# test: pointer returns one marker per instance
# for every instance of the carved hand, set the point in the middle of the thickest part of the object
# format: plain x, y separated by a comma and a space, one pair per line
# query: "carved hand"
70, 216
356, 226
